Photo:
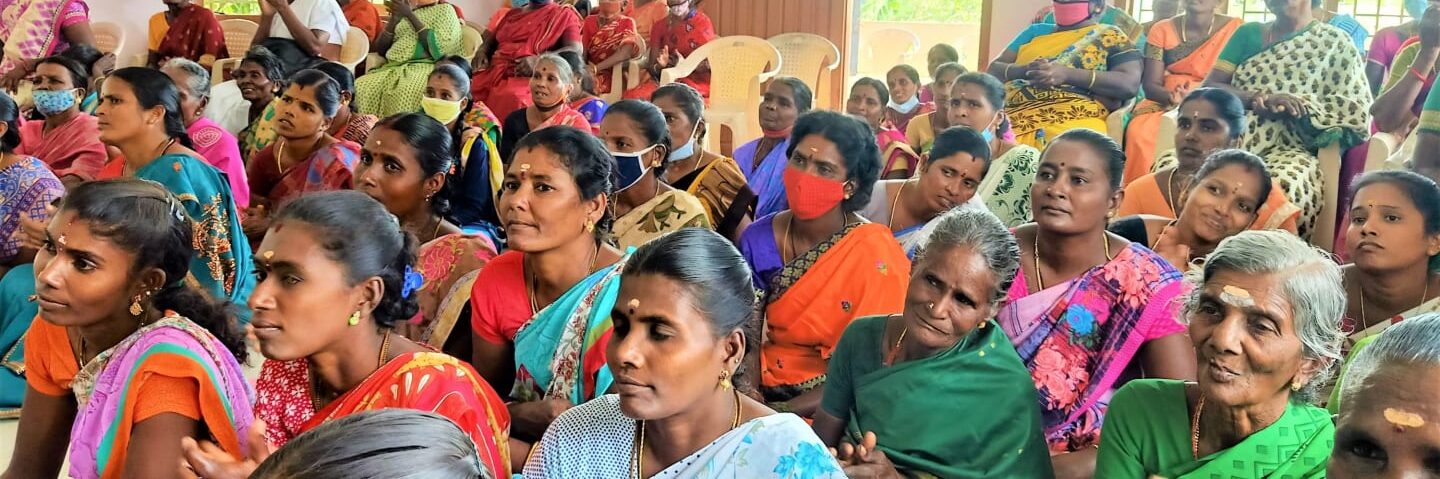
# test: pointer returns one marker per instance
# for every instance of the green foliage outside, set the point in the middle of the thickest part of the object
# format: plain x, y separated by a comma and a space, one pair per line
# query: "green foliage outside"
233, 7
937, 11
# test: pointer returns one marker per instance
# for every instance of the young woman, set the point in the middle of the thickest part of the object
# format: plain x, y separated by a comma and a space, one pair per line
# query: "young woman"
948, 178
867, 100
938, 55
923, 129
763, 160
713, 179
550, 87
67, 140
903, 103
978, 100
335, 278
796, 255
645, 207
350, 123
1393, 241
306, 158
259, 77
217, 146
681, 325
419, 33
126, 359
476, 163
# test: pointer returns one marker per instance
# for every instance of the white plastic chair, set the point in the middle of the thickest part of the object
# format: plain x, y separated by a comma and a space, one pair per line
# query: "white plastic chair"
1382, 147
811, 58
739, 65
626, 75
239, 34
1324, 234
356, 46
889, 47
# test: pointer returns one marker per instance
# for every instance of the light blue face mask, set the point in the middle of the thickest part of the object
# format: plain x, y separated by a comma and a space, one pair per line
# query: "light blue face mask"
688, 149
50, 102
519, 3
906, 107
1416, 8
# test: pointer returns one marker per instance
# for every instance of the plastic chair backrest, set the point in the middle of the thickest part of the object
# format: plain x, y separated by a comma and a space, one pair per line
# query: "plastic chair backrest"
239, 33
470, 40
810, 58
891, 46
356, 45
738, 65
109, 37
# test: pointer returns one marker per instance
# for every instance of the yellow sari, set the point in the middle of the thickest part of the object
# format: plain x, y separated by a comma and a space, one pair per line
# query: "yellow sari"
663, 214
1040, 113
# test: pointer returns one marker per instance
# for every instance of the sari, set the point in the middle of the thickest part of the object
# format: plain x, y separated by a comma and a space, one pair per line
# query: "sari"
260, 133
194, 35
1148, 434
722, 190
1041, 113
357, 130
596, 439
16, 313
326, 169
1318, 65
171, 365
895, 154
560, 353
920, 133
522, 33
1006, 187
449, 264
665, 213
806, 310
593, 109
603, 41
1078, 337
1186, 66
1143, 197
517, 125
73, 148
901, 121
362, 14
398, 86
1113, 16
33, 29
1387, 44
1356, 333
222, 151
26, 188
765, 175
980, 371
682, 38
646, 16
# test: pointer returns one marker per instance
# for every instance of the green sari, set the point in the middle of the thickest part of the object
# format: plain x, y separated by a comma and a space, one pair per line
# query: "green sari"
1147, 434
981, 371
16, 312
398, 86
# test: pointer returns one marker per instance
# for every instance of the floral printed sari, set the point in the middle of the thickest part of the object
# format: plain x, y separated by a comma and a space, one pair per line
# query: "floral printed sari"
601, 42
1037, 113
560, 353
665, 213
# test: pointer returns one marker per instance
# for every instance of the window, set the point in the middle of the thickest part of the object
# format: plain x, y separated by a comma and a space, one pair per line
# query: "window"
1373, 14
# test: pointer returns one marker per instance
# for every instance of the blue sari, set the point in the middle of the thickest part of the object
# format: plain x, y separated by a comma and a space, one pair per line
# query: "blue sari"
16, 312
560, 353
765, 179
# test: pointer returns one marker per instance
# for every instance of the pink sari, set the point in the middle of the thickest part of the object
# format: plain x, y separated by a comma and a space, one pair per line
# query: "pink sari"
521, 34
221, 150
73, 148
33, 29
895, 153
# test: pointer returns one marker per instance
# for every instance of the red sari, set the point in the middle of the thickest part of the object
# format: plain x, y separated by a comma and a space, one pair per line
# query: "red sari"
327, 169
194, 34
682, 37
522, 33
601, 42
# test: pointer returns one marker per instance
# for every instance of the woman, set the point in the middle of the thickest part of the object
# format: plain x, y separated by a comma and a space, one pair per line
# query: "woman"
1319, 100
1403, 96
350, 123
335, 278
139, 115
419, 33
795, 255
1267, 335
1209, 120
1224, 200
959, 278
27, 187
550, 87
160, 358
610, 41
67, 140
922, 129
646, 13
1393, 240
217, 146
584, 100
507, 59
1105, 14
1386, 427
185, 30
904, 100
1179, 53
259, 77
763, 160
378, 444
681, 325
35, 29
477, 162
305, 158
1087, 304
867, 101
940, 54
541, 311
682, 31
1389, 41
713, 179
1067, 75
646, 208
977, 100
948, 178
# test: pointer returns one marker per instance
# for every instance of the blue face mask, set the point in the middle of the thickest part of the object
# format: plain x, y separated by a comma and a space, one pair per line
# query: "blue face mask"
630, 168
688, 150
519, 3
1416, 8
49, 102
989, 132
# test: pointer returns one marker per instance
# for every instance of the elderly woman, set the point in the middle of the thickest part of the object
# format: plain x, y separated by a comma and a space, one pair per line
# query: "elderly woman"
35, 29
977, 100
948, 177
961, 362
796, 254
1387, 419
1393, 240
714, 179
1068, 74
645, 208
419, 33
763, 160
1304, 83
218, 146
867, 101
188, 30
259, 77
683, 324
551, 82
507, 59
67, 140
1265, 321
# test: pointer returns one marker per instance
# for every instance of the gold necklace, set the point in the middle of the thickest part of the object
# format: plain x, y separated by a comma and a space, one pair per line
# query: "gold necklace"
637, 455
894, 203
534, 283
1195, 428
314, 381
1040, 276
1170, 191
895, 350
1365, 322
280, 153
1208, 31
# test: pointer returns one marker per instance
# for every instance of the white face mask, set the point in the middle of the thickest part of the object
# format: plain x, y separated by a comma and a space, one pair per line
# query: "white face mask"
680, 10
906, 107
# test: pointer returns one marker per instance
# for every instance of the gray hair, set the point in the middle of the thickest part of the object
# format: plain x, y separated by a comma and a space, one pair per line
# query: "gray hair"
562, 67
1412, 342
1311, 284
384, 443
199, 84
978, 229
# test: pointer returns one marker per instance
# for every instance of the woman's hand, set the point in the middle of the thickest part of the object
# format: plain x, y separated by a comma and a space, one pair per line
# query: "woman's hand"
470, 133
268, 7
865, 460
399, 8
207, 460
11, 79
256, 221
530, 419
525, 67
1430, 30
1045, 74
1282, 105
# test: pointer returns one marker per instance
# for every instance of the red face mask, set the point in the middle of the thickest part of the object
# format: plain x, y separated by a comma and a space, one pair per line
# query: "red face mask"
1067, 14
811, 196
777, 133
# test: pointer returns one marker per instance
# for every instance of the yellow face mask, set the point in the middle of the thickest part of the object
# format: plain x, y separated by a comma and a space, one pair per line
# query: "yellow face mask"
442, 111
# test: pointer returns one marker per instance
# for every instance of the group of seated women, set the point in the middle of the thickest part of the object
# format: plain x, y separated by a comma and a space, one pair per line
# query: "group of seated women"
482, 269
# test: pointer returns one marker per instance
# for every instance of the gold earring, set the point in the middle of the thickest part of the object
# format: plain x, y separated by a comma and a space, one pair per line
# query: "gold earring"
135, 308
589, 227
354, 318
725, 380
1295, 385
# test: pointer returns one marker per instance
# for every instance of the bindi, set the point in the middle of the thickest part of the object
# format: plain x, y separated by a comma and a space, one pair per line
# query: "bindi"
633, 304
1403, 419
1237, 296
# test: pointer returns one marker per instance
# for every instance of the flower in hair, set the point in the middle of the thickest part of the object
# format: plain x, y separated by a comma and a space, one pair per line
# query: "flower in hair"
413, 281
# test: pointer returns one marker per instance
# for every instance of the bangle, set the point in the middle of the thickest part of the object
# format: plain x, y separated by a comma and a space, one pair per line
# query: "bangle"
1418, 76
1007, 71
1092, 80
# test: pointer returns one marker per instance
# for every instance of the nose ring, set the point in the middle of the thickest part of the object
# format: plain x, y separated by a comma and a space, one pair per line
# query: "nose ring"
929, 306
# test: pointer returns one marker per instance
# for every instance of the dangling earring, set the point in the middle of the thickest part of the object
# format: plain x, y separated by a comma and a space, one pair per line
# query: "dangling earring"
135, 308
589, 227
725, 380
354, 319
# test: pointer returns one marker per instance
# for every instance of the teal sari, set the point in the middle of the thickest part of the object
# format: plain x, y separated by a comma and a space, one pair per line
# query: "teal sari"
560, 353
16, 312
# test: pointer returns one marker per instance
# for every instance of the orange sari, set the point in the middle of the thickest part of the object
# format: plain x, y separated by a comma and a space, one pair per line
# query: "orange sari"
1143, 197
1186, 66
806, 310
